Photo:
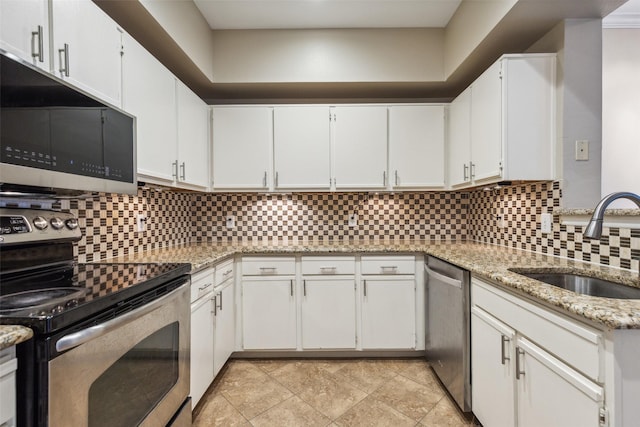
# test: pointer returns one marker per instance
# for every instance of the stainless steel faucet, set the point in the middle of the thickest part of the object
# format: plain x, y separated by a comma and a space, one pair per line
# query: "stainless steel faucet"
594, 228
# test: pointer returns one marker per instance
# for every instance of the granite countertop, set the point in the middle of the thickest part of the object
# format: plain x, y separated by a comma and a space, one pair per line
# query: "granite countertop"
11, 335
483, 260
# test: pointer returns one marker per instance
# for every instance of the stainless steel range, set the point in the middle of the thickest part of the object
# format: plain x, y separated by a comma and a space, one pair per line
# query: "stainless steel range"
111, 341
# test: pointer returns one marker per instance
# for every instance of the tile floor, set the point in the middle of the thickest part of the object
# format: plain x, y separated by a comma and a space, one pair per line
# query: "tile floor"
370, 392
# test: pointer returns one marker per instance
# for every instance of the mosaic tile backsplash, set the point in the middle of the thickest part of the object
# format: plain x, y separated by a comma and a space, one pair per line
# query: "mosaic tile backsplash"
175, 218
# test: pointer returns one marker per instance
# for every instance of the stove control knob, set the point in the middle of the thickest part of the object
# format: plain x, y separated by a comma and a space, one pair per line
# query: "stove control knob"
57, 223
40, 223
72, 223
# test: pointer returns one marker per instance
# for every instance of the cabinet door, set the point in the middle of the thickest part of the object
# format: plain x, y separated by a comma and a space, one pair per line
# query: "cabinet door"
388, 313
24, 30
268, 314
201, 347
416, 146
150, 95
492, 370
486, 125
550, 393
225, 327
328, 314
193, 138
459, 126
360, 147
241, 147
91, 59
301, 141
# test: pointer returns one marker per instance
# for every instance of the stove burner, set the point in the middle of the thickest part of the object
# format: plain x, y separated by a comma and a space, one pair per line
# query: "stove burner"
41, 298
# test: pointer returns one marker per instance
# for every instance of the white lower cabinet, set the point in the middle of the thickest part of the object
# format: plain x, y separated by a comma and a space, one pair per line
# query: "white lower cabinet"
388, 314
8, 366
518, 382
268, 314
388, 302
202, 333
224, 333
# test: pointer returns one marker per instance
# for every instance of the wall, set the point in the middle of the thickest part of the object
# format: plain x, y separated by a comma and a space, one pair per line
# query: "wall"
620, 111
338, 55
521, 207
578, 43
108, 221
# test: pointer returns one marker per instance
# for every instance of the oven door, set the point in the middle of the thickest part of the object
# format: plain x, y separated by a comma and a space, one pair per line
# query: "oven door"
131, 370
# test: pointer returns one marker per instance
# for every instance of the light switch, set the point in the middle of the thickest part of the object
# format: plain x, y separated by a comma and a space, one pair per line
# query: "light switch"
582, 149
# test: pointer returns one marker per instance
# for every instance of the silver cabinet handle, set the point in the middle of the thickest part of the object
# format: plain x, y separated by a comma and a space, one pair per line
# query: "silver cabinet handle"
384, 178
269, 270
304, 288
503, 352
78, 338
328, 270
228, 272
220, 294
473, 170
519, 371
364, 283
39, 53
465, 172
183, 168
291, 286
276, 179
396, 173
202, 288
389, 267
174, 169
215, 305
64, 69
264, 179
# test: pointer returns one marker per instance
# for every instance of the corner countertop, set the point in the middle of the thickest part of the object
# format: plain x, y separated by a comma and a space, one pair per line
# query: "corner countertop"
11, 335
487, 261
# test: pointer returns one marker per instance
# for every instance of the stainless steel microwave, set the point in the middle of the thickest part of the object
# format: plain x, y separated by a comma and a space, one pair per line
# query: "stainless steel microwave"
56, 137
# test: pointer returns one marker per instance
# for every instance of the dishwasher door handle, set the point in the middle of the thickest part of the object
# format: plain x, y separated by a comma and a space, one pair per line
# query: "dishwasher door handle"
442, 278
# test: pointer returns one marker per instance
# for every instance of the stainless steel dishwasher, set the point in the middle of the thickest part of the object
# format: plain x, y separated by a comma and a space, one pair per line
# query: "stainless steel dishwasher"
448, 340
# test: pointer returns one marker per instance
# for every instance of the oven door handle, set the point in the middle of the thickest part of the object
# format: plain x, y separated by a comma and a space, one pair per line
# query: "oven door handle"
78, 338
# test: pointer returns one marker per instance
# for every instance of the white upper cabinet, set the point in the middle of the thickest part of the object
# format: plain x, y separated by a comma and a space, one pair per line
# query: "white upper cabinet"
193, 139
87, 48
360, 147
302, 138
242, 139
150, 95
24, 30
508, 117
416, 147
486, 125
459, 132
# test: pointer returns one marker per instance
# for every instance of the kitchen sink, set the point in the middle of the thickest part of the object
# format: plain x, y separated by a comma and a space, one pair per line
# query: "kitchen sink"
584, 285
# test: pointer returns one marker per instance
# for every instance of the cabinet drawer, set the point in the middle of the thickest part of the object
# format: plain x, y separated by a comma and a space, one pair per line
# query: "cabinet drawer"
201, 283
224, 271
268, 266
388, 265
328, 265
576, 344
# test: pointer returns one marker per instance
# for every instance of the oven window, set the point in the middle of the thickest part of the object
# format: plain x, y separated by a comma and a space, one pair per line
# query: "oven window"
130, 388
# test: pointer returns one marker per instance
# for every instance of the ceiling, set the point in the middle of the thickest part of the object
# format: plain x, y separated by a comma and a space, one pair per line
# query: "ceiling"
308, 14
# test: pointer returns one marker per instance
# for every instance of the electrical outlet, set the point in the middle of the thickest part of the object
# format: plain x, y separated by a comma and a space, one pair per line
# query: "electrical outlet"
501, 221
545, 222
141, 223
353, 220
230, 222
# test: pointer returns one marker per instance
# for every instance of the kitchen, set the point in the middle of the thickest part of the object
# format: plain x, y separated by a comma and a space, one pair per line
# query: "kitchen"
248, 220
